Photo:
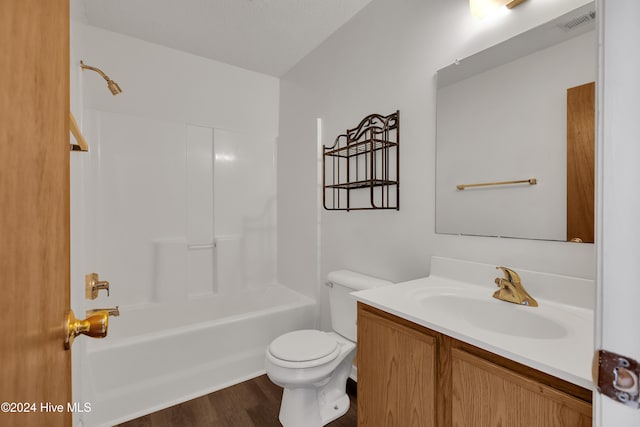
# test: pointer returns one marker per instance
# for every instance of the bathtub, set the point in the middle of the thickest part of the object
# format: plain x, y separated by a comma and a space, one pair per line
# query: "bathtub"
159, 355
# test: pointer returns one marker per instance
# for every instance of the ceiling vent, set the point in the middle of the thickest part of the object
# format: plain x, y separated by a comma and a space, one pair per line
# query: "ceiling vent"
578, 21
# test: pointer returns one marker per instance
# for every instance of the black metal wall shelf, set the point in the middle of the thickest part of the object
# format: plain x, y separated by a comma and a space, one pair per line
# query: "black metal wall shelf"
365, 157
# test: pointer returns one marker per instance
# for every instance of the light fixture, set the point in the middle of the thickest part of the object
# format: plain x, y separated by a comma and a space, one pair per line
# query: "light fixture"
482, 8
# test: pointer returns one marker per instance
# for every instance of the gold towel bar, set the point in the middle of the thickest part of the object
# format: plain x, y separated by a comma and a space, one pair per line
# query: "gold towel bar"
75, 130
531, 181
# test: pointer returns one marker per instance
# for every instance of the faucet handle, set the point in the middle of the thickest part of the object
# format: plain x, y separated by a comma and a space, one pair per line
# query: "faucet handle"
509, 275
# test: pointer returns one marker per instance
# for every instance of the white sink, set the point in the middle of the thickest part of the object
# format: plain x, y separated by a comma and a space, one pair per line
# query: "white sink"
494, 315
456, 300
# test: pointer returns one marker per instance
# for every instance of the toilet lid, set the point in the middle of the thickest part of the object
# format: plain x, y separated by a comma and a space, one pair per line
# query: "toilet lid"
303, 346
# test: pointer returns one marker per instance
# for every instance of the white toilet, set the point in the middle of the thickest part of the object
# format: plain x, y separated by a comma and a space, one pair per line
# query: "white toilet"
313, 366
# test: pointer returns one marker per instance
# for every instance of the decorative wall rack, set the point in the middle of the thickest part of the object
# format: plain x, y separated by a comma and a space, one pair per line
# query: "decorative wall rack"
366, 158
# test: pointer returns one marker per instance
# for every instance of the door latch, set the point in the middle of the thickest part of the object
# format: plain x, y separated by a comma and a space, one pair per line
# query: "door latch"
617, 378
93, 285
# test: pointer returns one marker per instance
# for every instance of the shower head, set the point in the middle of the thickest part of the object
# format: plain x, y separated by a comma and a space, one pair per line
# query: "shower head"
113, 86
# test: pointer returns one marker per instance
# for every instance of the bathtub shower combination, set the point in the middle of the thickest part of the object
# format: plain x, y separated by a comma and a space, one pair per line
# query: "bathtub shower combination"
166, 354
180, 219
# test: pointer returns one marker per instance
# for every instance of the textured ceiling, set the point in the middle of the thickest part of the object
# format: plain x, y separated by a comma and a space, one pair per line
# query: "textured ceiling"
268, 36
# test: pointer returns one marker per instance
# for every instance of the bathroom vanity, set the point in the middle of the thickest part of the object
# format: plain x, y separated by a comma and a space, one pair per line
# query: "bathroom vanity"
440, 351
409, 375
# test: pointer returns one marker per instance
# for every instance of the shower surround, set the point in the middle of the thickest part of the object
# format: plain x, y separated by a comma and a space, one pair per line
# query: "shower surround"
174, 205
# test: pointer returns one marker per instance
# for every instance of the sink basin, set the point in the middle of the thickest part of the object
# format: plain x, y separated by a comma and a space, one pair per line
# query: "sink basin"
495, 315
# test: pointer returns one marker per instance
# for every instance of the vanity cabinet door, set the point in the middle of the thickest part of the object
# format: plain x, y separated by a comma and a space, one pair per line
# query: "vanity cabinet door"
396, 374
485, 394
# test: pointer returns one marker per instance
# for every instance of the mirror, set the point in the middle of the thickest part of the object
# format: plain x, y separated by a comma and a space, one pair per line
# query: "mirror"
503, 116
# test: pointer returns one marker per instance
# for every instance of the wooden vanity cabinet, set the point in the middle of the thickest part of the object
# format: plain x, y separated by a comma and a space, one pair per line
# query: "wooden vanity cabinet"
409, 375
390, 391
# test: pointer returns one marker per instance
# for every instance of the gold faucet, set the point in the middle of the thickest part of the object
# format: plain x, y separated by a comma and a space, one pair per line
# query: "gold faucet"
511, 290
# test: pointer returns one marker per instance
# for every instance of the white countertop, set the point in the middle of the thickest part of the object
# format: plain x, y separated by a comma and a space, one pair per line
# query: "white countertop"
555, 338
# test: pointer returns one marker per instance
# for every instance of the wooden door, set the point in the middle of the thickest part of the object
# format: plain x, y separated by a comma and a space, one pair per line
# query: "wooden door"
34, 218
581, 116
396, 374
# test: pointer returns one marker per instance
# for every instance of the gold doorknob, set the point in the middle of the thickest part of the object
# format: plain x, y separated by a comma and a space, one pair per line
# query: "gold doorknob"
95, 325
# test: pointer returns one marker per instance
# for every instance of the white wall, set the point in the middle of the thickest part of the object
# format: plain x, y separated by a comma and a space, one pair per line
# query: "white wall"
385, 59
169, 84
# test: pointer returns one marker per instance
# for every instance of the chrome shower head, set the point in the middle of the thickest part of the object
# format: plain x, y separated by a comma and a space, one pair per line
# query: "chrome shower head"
113, 86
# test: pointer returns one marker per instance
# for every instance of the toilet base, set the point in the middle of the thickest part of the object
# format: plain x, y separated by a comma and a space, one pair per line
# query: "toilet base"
318, 406
302, 407
335, 409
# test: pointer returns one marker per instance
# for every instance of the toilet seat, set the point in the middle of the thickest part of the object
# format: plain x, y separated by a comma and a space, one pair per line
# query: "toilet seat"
304, 349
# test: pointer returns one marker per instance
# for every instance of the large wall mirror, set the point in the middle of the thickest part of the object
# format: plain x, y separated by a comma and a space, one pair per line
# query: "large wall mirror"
522, 111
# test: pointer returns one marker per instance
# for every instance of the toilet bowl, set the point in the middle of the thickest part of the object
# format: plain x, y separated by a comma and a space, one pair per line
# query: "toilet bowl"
313, 370
313, 366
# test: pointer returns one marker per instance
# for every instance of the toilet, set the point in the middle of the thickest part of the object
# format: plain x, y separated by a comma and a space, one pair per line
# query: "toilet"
313, 366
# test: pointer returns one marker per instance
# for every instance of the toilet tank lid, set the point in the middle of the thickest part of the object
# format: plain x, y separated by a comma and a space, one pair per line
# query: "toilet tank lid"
356, 281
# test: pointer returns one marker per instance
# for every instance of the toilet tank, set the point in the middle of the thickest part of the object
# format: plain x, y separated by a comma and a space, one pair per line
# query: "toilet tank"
342, 305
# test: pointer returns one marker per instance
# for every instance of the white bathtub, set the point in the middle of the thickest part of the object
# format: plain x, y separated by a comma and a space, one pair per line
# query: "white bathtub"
163, 354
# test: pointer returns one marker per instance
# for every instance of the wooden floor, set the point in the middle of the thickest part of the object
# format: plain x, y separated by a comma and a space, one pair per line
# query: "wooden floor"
253, 403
